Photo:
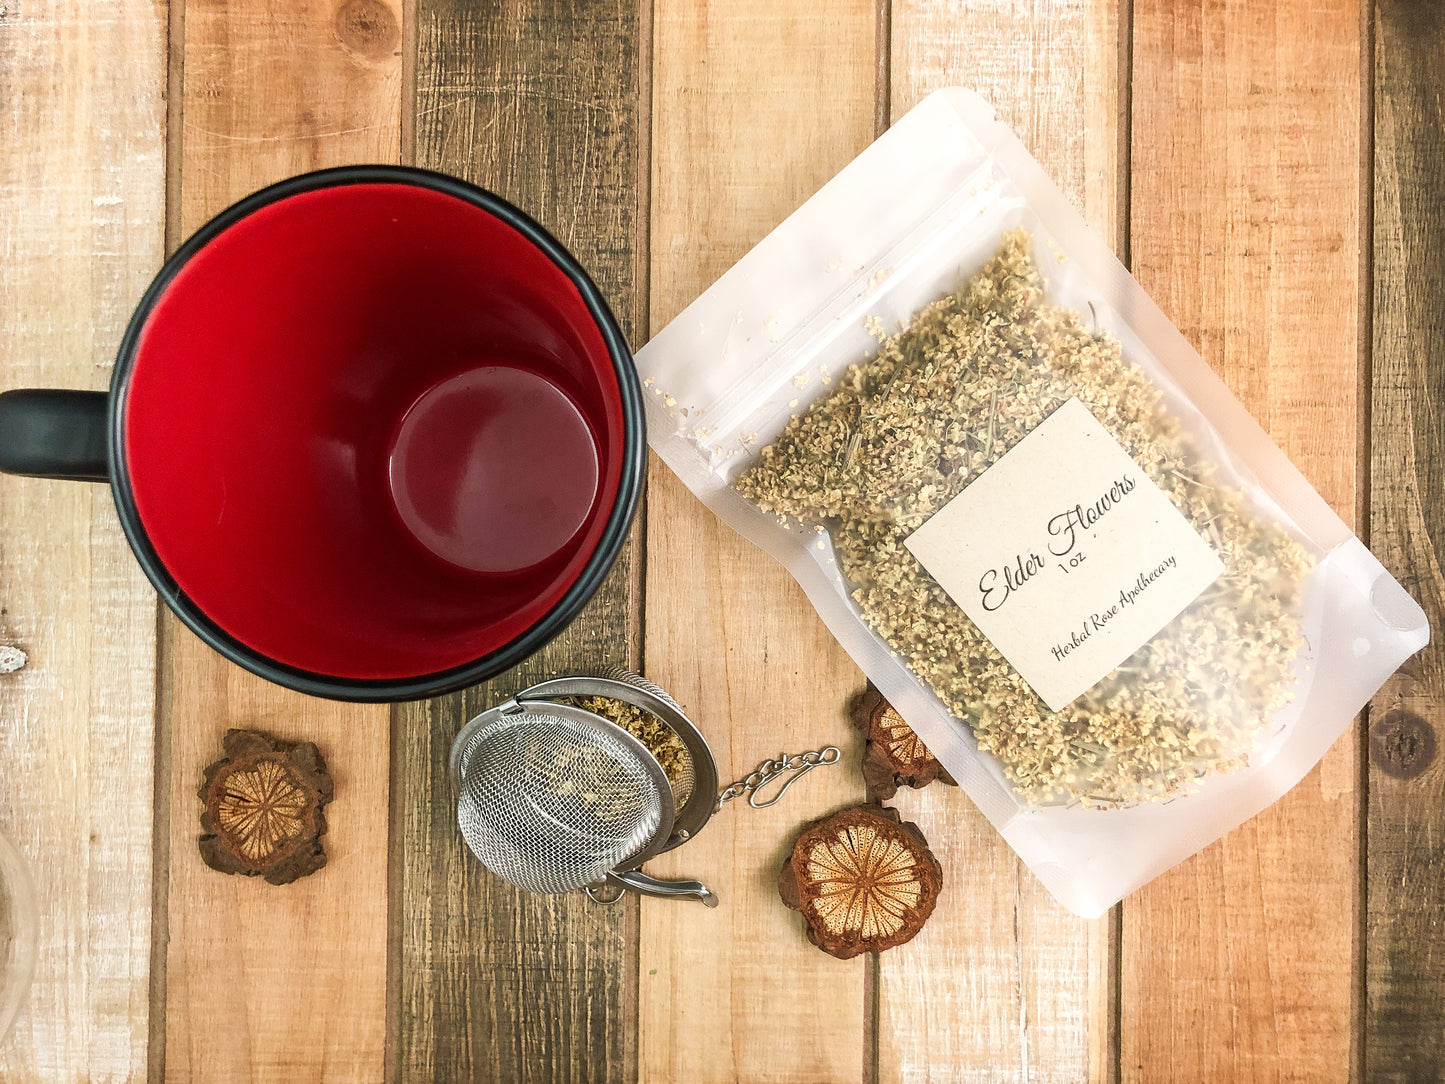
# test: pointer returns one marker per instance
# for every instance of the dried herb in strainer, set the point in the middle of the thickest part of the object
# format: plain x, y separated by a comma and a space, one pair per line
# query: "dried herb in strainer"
659, 739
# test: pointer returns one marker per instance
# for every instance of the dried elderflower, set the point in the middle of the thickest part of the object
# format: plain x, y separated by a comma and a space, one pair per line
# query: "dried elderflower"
906, 431
587, 775
659, 738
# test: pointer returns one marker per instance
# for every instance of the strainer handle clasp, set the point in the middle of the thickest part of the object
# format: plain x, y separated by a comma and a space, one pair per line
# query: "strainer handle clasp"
612, 889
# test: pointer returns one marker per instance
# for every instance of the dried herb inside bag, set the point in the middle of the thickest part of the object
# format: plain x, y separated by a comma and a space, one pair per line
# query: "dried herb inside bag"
907, 430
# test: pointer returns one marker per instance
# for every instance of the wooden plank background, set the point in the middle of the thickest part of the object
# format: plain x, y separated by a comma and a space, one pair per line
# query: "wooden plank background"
754, 107
1404, 937
1031, 981
539, 101
1272, 173
1237, 964
265, 984
82, 213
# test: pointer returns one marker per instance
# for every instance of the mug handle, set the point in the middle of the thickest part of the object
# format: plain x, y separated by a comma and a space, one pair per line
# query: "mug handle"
49, 433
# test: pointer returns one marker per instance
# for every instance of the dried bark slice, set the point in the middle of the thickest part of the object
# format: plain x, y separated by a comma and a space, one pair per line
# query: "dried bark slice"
263, 811
894, 756
863, 879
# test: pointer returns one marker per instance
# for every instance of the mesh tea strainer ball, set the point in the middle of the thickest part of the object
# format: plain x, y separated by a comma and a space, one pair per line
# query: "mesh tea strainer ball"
552, 797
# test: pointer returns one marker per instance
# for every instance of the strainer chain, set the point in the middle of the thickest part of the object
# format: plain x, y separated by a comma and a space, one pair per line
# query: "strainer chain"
769, 771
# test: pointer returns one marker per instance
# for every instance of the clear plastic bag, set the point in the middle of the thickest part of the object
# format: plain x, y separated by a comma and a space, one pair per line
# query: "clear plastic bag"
904, 332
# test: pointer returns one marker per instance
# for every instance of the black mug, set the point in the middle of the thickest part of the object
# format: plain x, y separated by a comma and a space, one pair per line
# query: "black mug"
372, 433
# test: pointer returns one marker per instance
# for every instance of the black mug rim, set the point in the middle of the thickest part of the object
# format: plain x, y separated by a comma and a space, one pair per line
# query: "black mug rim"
520, 647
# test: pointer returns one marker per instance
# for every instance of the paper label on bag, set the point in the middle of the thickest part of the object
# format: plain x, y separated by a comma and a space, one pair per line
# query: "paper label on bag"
1066, 555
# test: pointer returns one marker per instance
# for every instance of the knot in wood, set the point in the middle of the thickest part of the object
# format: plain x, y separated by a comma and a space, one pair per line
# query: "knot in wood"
368, 28
1402, 744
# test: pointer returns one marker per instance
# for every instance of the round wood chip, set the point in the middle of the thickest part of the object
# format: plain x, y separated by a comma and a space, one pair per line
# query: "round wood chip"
894, 756
264, 804
863, 879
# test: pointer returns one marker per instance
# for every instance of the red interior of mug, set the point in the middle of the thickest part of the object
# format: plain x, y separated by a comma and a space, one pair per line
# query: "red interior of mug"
372, 431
